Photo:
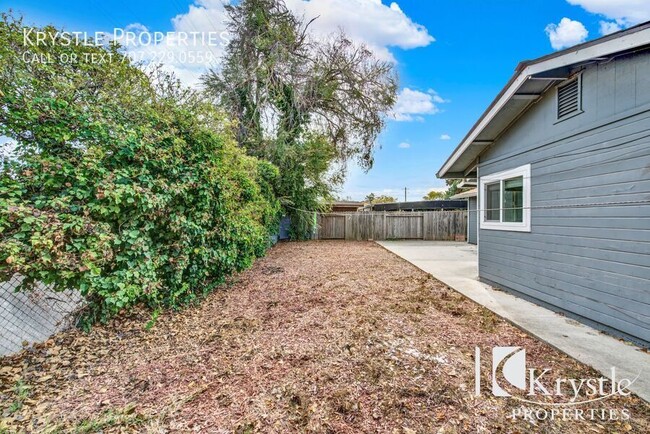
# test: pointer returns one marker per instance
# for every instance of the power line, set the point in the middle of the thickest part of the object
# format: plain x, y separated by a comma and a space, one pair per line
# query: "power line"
644, 202
570, 206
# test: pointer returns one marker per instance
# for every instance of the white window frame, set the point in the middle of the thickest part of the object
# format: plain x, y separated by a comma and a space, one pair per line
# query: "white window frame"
524, 225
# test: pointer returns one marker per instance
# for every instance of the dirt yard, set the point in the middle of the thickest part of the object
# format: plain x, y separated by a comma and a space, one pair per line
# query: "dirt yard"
324, 337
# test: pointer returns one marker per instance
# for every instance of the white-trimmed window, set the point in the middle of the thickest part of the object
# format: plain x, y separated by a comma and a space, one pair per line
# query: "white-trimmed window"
505, 200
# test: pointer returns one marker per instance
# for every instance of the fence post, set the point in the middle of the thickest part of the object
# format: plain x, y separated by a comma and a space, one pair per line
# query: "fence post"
345, 226
422, 236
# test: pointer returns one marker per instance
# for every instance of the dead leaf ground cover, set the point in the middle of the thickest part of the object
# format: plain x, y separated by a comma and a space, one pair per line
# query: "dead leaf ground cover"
324, 337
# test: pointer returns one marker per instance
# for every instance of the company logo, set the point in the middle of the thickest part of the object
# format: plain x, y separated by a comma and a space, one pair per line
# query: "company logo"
510, 373
511, 362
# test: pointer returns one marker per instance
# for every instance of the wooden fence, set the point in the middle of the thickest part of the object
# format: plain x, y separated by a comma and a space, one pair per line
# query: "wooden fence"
427, 225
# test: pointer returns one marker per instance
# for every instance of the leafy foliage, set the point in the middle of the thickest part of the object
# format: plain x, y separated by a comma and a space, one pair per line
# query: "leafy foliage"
434, 195
124, 185
372, 199
452, 188
307, 106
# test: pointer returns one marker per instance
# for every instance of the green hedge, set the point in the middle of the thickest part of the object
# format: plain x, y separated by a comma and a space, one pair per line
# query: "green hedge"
123, 186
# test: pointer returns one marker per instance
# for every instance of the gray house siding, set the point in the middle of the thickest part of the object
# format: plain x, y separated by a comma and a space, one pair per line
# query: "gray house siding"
588, 253
471, 220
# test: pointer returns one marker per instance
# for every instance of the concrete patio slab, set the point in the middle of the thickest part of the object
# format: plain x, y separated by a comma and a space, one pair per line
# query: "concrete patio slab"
455, 264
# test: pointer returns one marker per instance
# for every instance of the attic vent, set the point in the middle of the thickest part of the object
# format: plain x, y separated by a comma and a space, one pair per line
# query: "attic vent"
569, 98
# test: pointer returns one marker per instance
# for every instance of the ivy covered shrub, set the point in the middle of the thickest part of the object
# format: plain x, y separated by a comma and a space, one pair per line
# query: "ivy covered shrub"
122, 184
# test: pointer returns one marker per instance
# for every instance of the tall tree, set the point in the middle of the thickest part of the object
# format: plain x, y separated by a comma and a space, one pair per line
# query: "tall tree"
306, 105
434, 195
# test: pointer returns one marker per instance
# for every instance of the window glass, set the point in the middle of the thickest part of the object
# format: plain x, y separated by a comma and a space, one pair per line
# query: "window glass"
513, 199
492, 202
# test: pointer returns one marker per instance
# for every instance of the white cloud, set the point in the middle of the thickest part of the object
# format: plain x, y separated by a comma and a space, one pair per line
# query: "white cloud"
620, 13
607, 27
187, 60
371, 22
566, 34
445, 137
413, 104
404, 145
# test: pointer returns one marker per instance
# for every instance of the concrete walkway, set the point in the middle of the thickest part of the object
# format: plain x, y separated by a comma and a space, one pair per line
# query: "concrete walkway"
455, 264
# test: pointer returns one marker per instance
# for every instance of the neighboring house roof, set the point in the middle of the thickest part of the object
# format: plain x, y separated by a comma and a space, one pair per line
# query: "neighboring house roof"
420, 205
532, 79
464, 195
346, 203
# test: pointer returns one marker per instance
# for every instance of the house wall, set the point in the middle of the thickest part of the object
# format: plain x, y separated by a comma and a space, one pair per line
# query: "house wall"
587, 254
471, 220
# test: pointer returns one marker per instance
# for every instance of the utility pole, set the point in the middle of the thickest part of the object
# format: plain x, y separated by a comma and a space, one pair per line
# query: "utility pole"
404, 194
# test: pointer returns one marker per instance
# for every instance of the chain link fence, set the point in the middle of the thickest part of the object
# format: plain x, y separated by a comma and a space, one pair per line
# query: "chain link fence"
33, 316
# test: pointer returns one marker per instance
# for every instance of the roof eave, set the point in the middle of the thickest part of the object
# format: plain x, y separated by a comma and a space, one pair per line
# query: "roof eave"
625, 40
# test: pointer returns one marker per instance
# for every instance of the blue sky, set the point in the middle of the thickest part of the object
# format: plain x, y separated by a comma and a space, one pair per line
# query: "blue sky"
452, 56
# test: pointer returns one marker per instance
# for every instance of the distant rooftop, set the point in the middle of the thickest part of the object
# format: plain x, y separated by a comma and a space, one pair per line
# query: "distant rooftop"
464, 195
347, 202
421, 205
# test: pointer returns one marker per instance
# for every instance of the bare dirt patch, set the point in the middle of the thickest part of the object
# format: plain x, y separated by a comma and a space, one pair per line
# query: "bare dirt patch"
326, 337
